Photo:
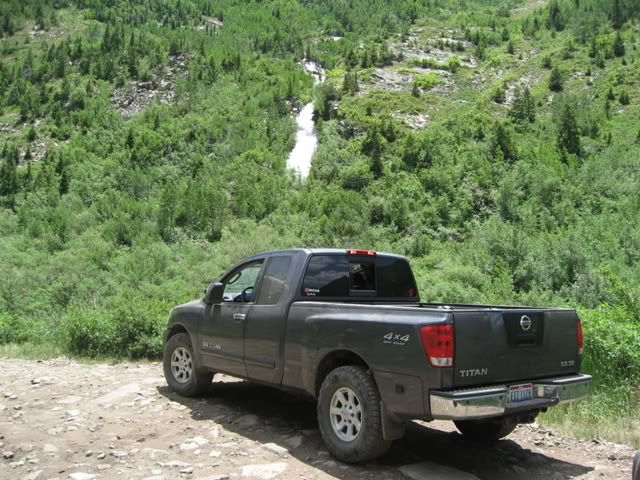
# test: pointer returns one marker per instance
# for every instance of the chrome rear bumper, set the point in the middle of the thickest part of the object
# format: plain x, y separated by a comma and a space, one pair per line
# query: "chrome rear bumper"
494, 401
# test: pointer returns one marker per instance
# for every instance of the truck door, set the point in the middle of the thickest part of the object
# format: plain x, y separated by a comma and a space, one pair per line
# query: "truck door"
222, 334
265, 323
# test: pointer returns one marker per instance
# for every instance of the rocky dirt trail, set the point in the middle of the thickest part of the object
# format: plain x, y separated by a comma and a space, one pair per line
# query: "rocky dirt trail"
65, 420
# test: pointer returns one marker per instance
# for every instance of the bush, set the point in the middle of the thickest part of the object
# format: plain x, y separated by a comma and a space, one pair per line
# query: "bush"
426, 80
612, 336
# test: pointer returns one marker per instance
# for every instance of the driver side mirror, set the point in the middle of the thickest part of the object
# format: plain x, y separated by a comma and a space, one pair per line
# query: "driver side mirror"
214, 293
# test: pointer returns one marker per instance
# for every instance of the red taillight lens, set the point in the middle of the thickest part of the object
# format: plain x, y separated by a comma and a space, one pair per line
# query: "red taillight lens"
354, 251
438, 342
580, 337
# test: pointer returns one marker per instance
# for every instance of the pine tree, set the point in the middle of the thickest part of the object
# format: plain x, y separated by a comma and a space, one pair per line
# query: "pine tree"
593, 50
130, 140
618, 45
523, 107
415, 90
502, 143
61, 170
568, 134
624, 98
555, 80
554, 20
31, 134
617, 17
9, 181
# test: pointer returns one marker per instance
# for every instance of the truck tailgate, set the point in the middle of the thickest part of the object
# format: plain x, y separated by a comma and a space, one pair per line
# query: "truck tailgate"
510, 345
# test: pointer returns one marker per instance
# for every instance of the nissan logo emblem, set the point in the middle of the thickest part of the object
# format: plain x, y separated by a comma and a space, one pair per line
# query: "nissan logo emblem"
525, 323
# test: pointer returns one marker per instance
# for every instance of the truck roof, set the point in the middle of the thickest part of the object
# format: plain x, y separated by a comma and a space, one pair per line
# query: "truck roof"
318, 251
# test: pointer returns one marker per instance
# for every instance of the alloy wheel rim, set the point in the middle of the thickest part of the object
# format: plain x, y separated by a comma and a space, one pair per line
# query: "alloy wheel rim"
181, 365
346, 414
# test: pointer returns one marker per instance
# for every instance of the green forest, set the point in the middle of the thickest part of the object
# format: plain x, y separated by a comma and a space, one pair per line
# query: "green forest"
496, 143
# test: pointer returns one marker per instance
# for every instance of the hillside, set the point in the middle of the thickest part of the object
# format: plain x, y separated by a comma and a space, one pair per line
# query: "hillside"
144, 148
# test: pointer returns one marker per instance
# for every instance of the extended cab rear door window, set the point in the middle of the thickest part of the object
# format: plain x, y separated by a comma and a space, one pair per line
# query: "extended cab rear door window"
326, 276
274, 281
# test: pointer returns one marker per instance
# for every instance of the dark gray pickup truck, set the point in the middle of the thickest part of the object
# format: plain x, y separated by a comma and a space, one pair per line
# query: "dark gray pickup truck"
347, 327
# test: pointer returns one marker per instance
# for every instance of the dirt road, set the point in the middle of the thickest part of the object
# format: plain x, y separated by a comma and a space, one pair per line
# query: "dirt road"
60, 419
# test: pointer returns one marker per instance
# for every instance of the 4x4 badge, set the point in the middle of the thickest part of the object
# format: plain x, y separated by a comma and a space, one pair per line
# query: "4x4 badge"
525, 323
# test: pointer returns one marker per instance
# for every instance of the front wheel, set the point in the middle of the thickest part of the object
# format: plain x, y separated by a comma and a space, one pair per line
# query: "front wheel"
181, 370
349, 415
487, 430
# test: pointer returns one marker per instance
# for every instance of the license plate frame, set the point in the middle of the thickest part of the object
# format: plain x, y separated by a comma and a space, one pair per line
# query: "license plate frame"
520, 393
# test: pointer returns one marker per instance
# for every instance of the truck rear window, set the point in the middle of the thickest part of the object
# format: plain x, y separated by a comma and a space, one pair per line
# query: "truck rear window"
346, 276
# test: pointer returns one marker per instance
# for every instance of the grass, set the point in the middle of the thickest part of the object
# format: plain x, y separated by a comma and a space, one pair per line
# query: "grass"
30, 351
609, 414
41, 351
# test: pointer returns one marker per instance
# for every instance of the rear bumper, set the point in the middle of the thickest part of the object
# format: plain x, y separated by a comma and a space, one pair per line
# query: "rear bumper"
494, 401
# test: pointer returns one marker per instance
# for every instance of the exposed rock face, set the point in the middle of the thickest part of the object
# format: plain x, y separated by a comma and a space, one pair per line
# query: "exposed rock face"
134, 97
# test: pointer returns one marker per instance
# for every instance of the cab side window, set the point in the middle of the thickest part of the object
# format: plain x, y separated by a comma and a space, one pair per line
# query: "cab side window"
240, 285
274, 281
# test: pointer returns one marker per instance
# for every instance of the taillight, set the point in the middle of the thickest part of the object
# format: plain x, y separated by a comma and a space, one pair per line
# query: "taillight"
354, 251
438, 342
580, 337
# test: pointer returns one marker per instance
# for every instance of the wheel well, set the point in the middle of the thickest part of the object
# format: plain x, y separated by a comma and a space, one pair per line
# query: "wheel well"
334, 360
176, 329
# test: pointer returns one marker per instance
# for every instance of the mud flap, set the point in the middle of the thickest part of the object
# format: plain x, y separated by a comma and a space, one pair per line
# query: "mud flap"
393, 427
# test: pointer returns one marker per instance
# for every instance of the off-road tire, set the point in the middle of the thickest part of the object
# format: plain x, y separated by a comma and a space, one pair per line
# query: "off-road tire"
487, 430
368, 443
199, 381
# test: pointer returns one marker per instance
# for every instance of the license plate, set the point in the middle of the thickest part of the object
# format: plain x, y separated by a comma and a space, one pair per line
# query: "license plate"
520, 393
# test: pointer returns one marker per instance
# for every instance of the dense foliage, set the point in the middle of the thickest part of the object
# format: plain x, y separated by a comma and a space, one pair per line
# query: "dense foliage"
496, 144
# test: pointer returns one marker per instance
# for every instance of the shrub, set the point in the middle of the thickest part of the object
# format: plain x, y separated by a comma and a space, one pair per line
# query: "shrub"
427, 80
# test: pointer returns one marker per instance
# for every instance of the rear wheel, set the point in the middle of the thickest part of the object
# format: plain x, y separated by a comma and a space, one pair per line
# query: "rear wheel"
181, 370
487, 430
349, 415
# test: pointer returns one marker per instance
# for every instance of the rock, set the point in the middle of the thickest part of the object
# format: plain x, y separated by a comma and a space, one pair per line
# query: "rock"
294, 442
72, 413
119, 453
247, 421
69, 400
118, 394
35, 475
189, 446
35, 381
434, 471
88, 453
187, 470
222, 476
264, 471
49, 448
25, 447
215, 453
82, 476
101, 455
7, 454
277, 449
175, 464
104, 466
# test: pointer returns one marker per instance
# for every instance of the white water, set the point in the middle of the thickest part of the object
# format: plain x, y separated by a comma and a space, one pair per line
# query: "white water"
306, 137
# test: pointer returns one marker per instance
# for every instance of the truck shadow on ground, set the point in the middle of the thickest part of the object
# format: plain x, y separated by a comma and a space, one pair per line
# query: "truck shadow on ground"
268, 415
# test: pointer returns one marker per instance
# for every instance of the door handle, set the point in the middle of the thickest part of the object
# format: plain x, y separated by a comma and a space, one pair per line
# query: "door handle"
238, 317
